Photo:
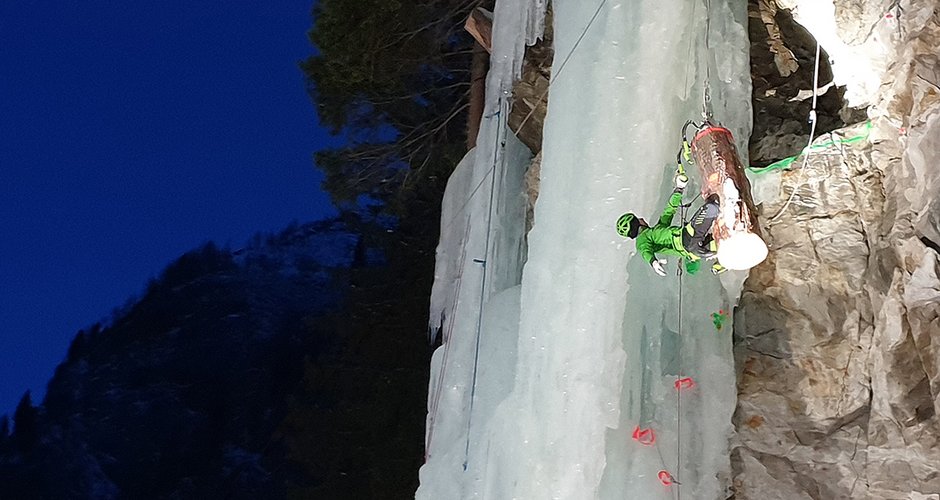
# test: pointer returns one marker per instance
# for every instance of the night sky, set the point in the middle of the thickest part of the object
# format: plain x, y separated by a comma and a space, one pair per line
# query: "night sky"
131, 132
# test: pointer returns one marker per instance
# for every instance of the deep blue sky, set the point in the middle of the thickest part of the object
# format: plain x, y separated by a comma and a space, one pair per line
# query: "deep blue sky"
131, 132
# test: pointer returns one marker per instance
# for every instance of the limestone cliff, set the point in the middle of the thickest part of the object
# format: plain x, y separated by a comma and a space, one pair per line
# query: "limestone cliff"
837, 333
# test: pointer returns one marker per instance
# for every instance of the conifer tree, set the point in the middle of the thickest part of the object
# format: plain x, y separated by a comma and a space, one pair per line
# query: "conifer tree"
25, 424
393, 77
77, 347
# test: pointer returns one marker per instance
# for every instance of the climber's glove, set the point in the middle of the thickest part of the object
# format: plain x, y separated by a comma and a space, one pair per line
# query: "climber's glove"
658, 266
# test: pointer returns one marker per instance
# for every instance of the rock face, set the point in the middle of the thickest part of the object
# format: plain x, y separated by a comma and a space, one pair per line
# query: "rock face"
782, 60
530, 92
837, 332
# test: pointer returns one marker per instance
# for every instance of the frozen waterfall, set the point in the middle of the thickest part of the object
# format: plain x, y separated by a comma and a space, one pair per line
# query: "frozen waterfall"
558, 345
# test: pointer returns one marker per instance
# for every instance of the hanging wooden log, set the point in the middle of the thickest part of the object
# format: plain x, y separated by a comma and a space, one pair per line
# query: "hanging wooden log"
736, 230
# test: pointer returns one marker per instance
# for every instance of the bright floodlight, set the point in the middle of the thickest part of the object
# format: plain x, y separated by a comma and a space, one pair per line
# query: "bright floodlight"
741, 251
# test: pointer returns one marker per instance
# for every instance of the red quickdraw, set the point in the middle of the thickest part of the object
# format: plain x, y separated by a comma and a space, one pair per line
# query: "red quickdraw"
684, 383
666, 478
646, 437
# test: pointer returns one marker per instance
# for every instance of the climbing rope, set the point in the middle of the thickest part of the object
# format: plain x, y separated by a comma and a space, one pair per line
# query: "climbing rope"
681, 383
476, 188
691, 56
515, 133
561, 68
492, 176
807, 151
435, 401
706, 88
683, 212
810, 148
498, 159
436, 398
706, 119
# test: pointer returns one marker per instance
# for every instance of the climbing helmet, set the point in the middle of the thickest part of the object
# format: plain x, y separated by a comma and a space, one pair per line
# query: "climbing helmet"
628, 225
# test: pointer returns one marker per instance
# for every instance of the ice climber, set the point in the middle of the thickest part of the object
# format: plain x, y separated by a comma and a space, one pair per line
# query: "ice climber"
693, 242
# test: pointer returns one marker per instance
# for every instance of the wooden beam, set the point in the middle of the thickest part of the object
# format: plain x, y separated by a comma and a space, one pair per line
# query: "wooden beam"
480, 25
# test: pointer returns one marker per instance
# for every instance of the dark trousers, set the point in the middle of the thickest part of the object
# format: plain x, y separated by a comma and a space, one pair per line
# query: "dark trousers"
697, 234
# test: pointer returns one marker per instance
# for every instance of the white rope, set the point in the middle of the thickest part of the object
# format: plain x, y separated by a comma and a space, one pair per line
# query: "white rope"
808, 149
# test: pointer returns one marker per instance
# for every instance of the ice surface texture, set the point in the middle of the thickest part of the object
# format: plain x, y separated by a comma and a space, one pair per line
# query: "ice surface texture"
582, 344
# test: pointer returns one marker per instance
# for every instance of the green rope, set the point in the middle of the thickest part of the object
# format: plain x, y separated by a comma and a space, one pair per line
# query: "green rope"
786, 162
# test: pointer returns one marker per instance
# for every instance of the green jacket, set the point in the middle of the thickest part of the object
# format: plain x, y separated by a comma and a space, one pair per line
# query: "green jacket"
663, 238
